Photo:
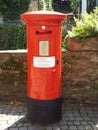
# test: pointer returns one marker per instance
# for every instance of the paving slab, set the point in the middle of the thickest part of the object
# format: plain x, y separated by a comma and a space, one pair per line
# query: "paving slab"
13, 117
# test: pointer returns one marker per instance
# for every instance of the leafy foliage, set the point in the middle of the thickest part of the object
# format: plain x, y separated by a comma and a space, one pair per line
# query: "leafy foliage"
86, 27
64, 33
12, 36
45, 5
73, 4
11, 63
11, 9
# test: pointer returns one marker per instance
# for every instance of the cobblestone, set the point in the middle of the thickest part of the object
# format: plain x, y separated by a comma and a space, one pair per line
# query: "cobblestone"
13, 117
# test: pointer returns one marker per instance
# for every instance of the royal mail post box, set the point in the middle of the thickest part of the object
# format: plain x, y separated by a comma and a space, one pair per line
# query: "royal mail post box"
44, 100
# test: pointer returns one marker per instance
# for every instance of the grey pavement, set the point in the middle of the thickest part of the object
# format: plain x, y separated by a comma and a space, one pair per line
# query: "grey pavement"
13, 117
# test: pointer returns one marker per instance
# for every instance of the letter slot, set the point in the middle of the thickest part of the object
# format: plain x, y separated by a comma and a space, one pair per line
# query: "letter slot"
43, 32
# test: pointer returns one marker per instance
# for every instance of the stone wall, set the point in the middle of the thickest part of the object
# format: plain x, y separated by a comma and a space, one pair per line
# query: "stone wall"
79, 76
13, 77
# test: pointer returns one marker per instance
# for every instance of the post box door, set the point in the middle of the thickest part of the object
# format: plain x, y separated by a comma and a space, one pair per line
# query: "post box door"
46, 69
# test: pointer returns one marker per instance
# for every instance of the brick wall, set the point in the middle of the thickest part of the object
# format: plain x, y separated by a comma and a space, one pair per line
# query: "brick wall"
79, 76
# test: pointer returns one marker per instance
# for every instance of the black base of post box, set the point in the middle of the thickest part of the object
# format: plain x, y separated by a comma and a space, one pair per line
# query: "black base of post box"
44, 112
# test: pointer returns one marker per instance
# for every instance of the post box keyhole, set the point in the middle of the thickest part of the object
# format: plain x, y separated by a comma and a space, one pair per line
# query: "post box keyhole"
57, 61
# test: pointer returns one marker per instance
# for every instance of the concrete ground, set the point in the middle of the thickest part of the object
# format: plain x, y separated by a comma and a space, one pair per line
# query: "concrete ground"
13, 117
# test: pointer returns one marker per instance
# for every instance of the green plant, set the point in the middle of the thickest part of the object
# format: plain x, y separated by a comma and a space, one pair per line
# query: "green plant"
11, 63
64, 33
73, 4
85, 27
45, 5
11, 9
12, 36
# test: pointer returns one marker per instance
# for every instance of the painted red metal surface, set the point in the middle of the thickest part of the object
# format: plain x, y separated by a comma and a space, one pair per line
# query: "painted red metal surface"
44, 68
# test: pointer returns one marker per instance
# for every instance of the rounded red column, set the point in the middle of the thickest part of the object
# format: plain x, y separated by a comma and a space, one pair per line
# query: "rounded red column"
44, 100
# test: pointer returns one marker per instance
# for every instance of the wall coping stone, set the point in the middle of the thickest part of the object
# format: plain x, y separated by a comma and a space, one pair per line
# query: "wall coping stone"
21, 51
13, 51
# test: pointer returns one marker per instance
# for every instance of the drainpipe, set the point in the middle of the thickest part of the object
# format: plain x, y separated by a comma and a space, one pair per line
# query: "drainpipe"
84, 6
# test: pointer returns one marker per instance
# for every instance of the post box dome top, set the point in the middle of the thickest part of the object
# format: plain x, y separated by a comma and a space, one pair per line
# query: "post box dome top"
43, 15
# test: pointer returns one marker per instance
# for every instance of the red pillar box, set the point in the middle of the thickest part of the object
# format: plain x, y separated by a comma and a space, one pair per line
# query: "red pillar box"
44, 100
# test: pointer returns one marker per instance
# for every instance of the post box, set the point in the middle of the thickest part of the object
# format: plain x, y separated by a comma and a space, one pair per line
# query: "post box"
44, 100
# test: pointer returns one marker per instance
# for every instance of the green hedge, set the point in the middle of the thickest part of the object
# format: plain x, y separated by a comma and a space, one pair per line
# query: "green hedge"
11, 9
12, 36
